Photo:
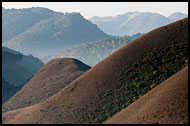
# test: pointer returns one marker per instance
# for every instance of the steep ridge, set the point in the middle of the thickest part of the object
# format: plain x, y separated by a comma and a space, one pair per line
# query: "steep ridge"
166, 103
51, 78
104, 82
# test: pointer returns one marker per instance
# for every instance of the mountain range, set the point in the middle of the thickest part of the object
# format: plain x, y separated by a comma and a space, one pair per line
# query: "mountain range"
118, 81
134, 22
41, 31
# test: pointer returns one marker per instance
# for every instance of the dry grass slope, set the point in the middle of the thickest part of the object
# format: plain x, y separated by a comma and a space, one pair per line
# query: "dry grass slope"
165, 104
83, 95
50, 79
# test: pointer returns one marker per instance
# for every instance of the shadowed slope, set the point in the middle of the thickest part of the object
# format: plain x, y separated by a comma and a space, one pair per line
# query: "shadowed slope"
166, 103
18, 68
84, 97
8, 90
51, 78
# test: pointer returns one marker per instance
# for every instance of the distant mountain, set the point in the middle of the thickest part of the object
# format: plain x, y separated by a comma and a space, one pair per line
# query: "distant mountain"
93, 52
50, 79
116, 82
158, 105
8, 90
18, 68
132, 22
177, 16
40, 31
17, 21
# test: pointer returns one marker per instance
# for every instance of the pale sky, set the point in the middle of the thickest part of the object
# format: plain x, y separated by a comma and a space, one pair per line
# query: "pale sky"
90, 9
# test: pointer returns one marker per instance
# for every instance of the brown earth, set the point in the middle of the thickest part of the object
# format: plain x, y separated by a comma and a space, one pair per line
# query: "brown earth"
72, 103
165, 104
50, 79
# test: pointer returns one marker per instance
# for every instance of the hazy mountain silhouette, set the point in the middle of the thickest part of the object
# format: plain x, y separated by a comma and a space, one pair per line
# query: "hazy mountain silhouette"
18, 68
133, 22
177, 16
93, 52
17, 21
8, 90
40, 31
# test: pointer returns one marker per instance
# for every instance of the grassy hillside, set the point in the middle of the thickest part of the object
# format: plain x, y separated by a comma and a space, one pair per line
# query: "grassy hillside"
49, 79
165, 104
143, 76
127, 73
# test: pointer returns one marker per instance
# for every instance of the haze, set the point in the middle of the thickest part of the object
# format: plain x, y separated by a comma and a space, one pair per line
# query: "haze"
89, 9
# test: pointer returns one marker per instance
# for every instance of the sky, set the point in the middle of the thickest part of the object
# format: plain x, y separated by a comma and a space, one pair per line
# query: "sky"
90, 9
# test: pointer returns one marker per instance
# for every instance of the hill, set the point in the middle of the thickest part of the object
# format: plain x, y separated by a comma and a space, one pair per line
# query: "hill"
8, 90
18, 68
133, 22
17, 21
166, 104
93, 52
50, 79
177, 16
40, 31
115, 82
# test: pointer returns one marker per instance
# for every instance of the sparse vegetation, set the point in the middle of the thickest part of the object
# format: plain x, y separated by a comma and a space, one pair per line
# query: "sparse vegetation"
146, 74
34, 90
115, 83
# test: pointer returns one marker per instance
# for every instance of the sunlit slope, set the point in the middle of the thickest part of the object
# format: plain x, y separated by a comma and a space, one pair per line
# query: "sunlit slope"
50, 79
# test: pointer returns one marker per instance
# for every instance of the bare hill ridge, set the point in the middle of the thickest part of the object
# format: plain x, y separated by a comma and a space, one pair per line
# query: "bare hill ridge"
72, 104
166, 103
51, 78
